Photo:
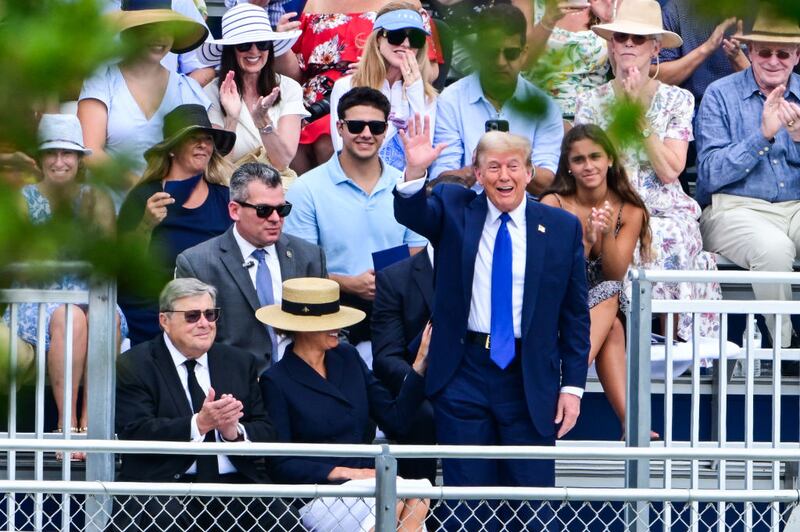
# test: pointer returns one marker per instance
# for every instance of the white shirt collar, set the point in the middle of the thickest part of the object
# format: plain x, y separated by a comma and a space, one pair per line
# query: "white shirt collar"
429, 251
246, 247
178, 358
517, 215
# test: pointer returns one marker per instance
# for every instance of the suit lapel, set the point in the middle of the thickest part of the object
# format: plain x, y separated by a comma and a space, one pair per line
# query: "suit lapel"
232, 258
422, 273
170, 373
536, 242
474, 219
286, 258
304, 374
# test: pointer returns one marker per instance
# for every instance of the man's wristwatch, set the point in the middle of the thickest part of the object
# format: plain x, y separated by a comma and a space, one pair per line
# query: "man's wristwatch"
269, 128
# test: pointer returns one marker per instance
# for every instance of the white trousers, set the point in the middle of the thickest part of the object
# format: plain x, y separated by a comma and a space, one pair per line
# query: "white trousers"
757, 235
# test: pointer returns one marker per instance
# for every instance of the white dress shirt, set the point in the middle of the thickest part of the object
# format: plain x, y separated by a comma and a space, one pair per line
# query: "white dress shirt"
480, 318
204, 380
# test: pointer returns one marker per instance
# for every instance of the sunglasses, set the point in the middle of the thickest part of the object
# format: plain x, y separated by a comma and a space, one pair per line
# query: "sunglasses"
357, 126
510, 54
622, 38
416, 38
262, 46
766, 53
265, 211
193, 316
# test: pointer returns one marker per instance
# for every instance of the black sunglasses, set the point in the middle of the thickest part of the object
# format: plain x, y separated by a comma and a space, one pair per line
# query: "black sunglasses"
262, 46
265, 211
193, 316
416, 38
766, 53
510, 54
622, 38
357, 126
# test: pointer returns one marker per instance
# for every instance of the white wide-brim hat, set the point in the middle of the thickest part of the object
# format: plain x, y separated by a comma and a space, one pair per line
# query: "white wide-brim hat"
61, 132
309, 304
245, 23
639, 17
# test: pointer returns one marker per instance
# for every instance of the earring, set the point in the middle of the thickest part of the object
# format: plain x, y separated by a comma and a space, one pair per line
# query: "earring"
171, 154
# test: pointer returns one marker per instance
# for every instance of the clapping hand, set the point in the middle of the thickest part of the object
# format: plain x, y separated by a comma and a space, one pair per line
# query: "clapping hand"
733, 51
421, 362
790, 116
286, 24
420, 154
772, 117
262, 107
597, 224
229, 97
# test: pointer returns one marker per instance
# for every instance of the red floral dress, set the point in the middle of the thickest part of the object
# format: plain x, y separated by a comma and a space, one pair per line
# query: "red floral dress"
328, 44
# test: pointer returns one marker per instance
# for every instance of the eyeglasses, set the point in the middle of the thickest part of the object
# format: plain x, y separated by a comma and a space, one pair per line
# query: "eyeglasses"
510, 54
416, 37
262, 46
193, 316
622, 38
265, 211
357, 126
766, 53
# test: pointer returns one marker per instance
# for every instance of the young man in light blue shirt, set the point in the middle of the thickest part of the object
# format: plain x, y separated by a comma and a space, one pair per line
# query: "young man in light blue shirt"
346, 205
495, 97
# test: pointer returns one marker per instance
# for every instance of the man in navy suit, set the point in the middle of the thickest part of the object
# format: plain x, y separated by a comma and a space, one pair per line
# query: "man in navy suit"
508, 356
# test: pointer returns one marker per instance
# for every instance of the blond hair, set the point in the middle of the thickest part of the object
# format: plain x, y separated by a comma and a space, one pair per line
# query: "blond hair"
218, 172
501, 141
371, 70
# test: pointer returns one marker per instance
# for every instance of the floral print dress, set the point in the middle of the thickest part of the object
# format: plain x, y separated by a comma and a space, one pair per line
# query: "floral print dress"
574, 61
677, 242
328, 44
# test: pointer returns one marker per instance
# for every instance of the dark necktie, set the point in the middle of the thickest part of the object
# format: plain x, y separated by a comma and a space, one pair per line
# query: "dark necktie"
207, 467
265, 295
501, 347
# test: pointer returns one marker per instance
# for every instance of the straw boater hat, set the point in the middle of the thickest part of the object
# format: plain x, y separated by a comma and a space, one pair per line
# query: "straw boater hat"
185, 119
245, 23
187, 34
309, 304
61, 132
639, 17
773, 29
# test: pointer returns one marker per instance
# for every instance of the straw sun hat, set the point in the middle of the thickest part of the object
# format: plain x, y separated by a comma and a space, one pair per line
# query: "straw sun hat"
772, 29
639, 17
309, 304
187, 34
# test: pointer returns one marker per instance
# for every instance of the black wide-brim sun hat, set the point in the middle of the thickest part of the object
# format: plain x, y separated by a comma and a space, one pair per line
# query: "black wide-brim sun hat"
187, 34
186, 119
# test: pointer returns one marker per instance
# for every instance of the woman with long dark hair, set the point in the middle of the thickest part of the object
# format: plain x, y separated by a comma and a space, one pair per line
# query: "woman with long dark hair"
591, 184
263, 108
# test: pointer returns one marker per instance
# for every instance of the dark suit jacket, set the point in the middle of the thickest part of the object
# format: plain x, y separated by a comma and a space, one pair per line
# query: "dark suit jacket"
309, 409
152, 405
555, 315
402, 306
218, 262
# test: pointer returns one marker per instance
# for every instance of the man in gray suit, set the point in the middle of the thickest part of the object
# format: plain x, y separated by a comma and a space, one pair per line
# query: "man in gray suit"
248, 263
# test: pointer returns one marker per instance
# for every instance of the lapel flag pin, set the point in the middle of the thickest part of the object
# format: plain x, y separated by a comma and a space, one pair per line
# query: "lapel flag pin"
289, 253
541, 228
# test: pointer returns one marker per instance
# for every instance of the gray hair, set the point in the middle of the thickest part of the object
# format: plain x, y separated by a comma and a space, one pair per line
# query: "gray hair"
184, 287
249, 172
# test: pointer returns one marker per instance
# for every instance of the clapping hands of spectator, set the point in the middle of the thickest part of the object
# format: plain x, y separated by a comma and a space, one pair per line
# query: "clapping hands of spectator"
421, 362
286, 24
597, 224
555, 11
262, 107
420, 154
790, 115
221, 414
774, 115
229, 96
714, 41
733, 50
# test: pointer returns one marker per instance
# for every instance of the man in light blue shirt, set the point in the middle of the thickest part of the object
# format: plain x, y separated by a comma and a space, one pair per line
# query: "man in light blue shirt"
748, 153
498, 93
346, 205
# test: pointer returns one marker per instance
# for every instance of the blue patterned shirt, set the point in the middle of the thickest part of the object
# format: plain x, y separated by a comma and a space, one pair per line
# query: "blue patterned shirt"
733, 157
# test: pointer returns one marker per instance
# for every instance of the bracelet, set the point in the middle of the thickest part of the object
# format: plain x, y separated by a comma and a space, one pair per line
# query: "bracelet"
269, 128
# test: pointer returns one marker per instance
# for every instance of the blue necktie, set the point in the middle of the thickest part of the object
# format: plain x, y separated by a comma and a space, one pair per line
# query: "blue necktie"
501, 347
265, 296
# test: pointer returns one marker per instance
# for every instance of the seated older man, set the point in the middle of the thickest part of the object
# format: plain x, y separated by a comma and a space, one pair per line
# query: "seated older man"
748, 143
182, 386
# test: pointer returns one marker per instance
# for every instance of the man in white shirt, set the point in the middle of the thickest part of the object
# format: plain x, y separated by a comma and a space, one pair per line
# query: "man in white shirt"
232, 261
